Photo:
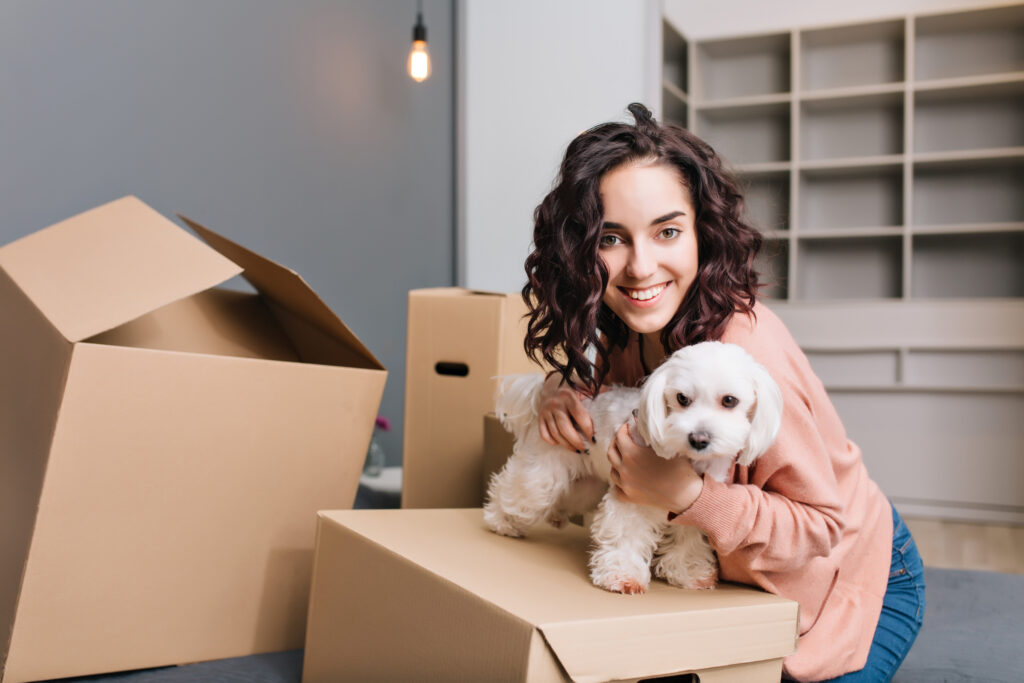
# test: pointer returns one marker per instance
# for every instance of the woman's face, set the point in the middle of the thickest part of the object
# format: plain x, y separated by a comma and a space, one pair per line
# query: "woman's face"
648, 244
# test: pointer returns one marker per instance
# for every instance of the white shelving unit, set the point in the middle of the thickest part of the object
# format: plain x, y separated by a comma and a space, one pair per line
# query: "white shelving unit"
884, 162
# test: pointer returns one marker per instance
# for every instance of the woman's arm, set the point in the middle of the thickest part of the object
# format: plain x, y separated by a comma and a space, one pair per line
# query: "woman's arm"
785, 509
789, 512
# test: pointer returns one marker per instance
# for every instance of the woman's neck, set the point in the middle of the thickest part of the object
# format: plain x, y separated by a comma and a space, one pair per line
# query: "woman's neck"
652, 353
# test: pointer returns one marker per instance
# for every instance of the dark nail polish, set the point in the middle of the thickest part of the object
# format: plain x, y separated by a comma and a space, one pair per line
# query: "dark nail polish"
587, 451
578, 452
593, 439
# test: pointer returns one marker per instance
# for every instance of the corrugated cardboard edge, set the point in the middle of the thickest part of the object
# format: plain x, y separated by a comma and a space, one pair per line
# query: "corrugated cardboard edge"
519, 654
286, 287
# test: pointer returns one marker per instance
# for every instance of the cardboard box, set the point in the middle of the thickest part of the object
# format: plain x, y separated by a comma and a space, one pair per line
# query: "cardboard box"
417, 595
459, 342
498, 444
164, 446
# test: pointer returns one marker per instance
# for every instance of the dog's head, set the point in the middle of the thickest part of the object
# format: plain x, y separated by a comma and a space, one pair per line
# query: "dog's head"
710, 401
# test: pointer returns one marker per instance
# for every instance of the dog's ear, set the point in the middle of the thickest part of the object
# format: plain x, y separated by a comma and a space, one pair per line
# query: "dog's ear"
652, 412
767, 417
515, 402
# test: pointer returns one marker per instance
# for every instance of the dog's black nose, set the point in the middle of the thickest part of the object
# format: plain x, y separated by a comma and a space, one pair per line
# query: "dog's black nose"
700, 440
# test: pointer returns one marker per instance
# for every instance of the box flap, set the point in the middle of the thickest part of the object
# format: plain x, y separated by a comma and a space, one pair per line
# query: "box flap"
653, 645
110, 265
285, 287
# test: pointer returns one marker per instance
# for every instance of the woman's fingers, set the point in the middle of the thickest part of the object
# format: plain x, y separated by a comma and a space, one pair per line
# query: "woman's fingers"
583, 422
542, 427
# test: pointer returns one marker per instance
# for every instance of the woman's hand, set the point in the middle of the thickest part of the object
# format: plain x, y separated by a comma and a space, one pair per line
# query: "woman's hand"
641, 477
562, 417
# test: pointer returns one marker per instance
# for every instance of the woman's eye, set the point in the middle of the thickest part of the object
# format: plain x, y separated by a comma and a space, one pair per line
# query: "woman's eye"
669, 233
609, 240
683, 399
730, 401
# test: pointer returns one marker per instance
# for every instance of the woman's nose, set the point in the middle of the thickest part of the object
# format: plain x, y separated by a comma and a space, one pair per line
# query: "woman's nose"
641, 263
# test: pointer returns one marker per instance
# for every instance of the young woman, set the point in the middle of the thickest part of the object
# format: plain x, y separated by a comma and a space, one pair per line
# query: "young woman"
640, 249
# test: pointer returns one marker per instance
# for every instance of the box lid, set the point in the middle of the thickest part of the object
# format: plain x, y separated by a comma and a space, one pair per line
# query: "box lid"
595, 635
459, 291
110, 265
286, 287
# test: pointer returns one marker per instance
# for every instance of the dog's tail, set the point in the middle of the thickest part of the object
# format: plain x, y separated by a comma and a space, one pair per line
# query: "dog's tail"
516, 401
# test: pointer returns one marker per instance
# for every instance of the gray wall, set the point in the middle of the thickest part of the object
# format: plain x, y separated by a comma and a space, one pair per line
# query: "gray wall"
290, 127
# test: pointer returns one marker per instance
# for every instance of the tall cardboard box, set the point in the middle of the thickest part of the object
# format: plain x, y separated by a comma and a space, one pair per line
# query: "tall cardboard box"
431, 595
459, 342
164, 445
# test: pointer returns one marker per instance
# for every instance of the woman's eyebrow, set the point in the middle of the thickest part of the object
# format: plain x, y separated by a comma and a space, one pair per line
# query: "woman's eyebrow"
609, 225
668, 217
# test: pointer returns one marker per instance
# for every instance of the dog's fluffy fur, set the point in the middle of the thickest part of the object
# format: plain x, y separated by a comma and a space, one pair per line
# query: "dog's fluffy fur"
682, 410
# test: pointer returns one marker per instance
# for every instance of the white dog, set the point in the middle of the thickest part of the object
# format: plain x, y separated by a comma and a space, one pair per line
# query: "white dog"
710, 402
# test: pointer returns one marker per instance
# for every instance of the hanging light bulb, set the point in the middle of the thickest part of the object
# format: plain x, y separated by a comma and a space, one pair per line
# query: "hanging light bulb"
419, 58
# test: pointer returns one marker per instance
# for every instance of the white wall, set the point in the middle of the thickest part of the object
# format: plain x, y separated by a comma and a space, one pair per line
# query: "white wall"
699, 19
534, 74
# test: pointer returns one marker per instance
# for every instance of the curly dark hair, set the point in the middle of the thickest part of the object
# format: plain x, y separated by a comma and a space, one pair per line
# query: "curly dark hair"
567, 278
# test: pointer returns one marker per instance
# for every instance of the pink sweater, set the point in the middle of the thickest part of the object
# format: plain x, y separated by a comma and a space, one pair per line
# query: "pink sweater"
804, 521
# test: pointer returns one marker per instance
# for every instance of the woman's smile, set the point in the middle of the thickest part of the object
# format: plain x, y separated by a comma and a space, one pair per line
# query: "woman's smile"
645, 297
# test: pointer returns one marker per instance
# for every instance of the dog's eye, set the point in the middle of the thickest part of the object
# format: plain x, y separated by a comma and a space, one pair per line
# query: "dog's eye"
683, 399
730, 401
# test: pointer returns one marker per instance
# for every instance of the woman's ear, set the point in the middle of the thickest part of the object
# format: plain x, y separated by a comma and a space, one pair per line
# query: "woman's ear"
652, 413
767, 417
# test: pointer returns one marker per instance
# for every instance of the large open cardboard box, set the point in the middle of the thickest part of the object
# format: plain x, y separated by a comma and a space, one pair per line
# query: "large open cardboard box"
459, 342
431, 595
164, 446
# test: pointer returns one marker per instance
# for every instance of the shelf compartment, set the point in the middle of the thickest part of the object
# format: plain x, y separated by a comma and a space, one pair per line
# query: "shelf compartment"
767, 201
967, 266
867, 368
969, 118
957, 447
772, 265
674, 105
969, 191
853, 268
674, 57
746, 135
852, 127
973, 42
743, 67
846, 56
982, 369
851, 198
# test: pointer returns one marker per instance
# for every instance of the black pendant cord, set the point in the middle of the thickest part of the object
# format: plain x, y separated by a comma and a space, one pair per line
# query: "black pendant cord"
643, 361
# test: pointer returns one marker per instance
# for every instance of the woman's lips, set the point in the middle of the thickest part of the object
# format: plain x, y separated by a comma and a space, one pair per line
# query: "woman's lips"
644, 297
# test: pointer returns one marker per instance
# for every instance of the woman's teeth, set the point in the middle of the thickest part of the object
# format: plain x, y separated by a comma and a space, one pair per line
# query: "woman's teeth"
645, 294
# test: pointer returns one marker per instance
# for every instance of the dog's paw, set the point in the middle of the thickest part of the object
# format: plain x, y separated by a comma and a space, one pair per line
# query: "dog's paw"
503, 524
506, 527
557, 519
627, 585
693, 582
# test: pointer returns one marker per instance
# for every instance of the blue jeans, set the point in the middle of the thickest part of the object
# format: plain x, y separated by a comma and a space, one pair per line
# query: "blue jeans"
902, 611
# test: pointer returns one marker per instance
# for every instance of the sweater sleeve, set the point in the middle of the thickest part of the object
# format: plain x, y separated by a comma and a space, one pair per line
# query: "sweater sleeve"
789, 510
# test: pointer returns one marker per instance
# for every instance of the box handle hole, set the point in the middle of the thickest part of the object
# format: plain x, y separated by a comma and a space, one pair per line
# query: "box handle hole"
452, 369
